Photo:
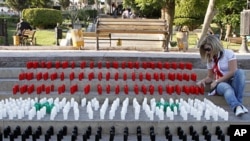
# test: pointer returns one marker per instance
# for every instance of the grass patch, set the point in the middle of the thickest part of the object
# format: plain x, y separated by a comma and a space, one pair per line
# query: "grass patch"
45, 37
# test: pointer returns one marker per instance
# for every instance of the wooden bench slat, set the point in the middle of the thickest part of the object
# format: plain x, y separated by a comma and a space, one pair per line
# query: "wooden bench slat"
133, 23
131, 20
132, 31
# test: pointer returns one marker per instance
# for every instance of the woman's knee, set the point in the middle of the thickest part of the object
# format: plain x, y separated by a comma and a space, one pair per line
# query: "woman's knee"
222, 87
240, 74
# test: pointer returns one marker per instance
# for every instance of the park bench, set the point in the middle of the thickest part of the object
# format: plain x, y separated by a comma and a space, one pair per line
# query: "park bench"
236, 40
108, 27
28, 36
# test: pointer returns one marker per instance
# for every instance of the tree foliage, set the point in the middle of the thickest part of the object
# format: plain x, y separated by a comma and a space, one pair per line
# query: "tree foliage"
41, 3
64, 3
190, 13
147, 8
229, 12
18, 5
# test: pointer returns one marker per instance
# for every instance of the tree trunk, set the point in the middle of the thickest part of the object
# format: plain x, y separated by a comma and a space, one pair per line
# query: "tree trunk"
168, 14
208, 19
228, 31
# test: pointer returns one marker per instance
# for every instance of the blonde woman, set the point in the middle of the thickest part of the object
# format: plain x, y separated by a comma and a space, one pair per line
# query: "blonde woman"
225, 78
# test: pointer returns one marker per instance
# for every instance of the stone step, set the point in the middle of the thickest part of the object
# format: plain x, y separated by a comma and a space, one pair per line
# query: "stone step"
16, 60
131, 137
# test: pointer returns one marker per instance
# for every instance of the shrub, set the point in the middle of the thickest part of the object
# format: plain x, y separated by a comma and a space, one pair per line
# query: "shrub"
42, 17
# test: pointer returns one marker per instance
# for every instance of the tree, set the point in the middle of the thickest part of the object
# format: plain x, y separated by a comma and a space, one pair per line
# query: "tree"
41, 3
190, 13
64, 3
210, 13
228, 16
18, 5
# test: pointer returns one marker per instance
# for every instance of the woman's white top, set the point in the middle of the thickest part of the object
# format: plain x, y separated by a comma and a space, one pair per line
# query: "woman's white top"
227, 56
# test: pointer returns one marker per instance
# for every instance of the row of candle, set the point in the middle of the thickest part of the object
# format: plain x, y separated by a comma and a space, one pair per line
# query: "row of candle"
157, 76
19, 108
108, 64
117, 89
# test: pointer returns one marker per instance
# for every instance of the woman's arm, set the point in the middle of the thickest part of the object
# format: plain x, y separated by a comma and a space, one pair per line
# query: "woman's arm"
207, 79
232, 67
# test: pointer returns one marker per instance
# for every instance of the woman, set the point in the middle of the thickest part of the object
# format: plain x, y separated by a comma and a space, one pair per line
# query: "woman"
225, 78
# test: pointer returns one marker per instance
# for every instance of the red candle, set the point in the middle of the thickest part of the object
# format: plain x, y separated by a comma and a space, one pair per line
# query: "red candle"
39, 90
49, 64
72, 76
133, 76
160, 89
166, 65
83, 64
108, 88
62, 76
116, 76
57, 64
126, 89
136, 89
148, 76
130, 65
81, 76
151, 89
159, 65
115, 65
35, 64
123, 65
152, 65
144, 89
137, 65
107, 76
45, 75
47, 90
124, 76
174, 65
179, 76
107, 64
189, 65
193, 77
178, 89
144, 65
91, 64
140, 76
100, 76
181, 65
73, 64
117, 89
156, 76
99, 65
162, 76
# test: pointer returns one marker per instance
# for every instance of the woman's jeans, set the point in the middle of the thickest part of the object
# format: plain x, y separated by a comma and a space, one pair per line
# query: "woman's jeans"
233, 89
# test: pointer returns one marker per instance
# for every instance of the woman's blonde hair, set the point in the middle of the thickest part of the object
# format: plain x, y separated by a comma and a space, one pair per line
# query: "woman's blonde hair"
216, 47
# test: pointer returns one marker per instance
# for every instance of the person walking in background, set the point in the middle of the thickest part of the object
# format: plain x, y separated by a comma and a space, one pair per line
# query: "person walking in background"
223, 74
21, 26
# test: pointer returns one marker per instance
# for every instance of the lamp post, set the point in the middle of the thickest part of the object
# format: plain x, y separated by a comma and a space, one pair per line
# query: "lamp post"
244, 28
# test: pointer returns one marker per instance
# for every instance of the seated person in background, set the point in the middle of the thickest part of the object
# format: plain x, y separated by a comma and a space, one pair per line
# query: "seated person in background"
21, 26
125, 14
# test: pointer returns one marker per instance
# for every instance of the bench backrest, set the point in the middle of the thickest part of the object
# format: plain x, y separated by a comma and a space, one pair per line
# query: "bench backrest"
132, 25
29, 33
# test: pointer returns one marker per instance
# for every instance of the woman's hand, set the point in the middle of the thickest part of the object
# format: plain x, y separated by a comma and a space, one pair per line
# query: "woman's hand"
213, 84
201, 83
